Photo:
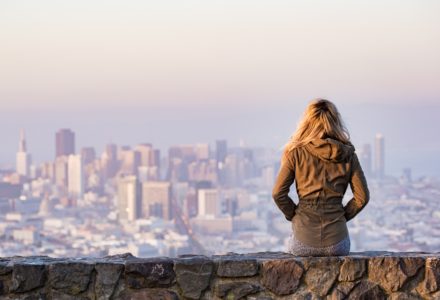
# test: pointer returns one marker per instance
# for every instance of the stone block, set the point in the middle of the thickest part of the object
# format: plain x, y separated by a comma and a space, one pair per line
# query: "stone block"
27, 277
321, 274
282, 277
236, 290
107, 277
5, 267
193, 275
431, 283
237, 267
367, 290
352, 269
149, 273
392, 273
70, 277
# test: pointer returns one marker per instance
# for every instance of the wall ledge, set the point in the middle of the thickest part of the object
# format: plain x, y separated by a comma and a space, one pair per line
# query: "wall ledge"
261, 275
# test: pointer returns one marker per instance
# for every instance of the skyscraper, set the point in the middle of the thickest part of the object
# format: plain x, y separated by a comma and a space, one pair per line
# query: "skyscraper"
209, 203
130, 160
75, 178
379, 156
202, 151
64, 142
23, 159
60, 171
146, 154
129, 198
111, 151
221, 150
88, 155
109, 161
156, 199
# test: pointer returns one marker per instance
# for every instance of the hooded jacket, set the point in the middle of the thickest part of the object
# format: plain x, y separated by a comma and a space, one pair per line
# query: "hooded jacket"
322, 171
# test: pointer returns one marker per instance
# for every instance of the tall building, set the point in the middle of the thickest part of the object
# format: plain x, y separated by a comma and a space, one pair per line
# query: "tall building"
23, 158
64, 142
88, 155
232, 171
208, 202
156, 199
203, 170
130, 160
185, 152
268, 176
366, 160
109, 161
202, 151
60, 171
111, 150
156, 157
406, 175
221, 150
75, 177
146, 154
129, 198
379, 156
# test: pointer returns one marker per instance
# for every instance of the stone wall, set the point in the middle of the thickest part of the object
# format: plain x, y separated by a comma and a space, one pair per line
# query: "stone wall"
264, 275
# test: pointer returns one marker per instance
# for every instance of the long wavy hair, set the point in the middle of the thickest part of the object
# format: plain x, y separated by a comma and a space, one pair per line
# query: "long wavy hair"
321, 119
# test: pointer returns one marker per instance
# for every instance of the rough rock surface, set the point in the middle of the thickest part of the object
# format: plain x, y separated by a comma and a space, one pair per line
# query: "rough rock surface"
236, 266
432, 276
393, 272
352, 268
236, 290
151, 272
282, 277
26, 277
70, 277
253, 276
366, 290
107, 276
321, 274
193, 275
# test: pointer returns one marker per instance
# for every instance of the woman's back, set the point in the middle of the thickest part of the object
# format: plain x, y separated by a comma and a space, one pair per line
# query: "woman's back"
322, 168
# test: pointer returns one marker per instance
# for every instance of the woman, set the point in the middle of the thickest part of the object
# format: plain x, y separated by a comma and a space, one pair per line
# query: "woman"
322, 161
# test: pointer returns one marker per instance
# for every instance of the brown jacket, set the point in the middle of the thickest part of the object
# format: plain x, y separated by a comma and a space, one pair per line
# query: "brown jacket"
322, 170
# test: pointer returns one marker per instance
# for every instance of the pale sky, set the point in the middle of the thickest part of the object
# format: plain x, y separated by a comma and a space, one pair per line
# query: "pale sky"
117, 53
160, 71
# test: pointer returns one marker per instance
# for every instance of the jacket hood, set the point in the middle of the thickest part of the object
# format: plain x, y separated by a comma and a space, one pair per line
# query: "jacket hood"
329, 149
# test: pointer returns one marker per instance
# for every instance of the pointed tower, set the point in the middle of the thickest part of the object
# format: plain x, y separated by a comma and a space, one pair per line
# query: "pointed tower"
23, 159
22, 144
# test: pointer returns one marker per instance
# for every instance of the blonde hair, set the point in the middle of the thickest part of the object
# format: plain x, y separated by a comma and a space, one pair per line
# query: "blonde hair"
321, 119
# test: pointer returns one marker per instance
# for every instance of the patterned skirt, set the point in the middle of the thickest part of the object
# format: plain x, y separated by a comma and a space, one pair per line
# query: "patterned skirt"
299, 249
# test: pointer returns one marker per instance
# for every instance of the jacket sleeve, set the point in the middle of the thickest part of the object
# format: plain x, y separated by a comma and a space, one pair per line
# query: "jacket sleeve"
358, 185
280, 191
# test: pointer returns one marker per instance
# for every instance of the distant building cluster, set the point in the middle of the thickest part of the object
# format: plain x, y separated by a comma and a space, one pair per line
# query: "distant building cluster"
377, 169
129, 191
193, 199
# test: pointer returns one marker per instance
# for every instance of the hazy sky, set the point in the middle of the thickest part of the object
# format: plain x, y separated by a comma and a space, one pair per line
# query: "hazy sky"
166, 71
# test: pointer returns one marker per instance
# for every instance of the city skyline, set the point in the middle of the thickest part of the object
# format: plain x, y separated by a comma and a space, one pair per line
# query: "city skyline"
193, 198
145, 160
395, 164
